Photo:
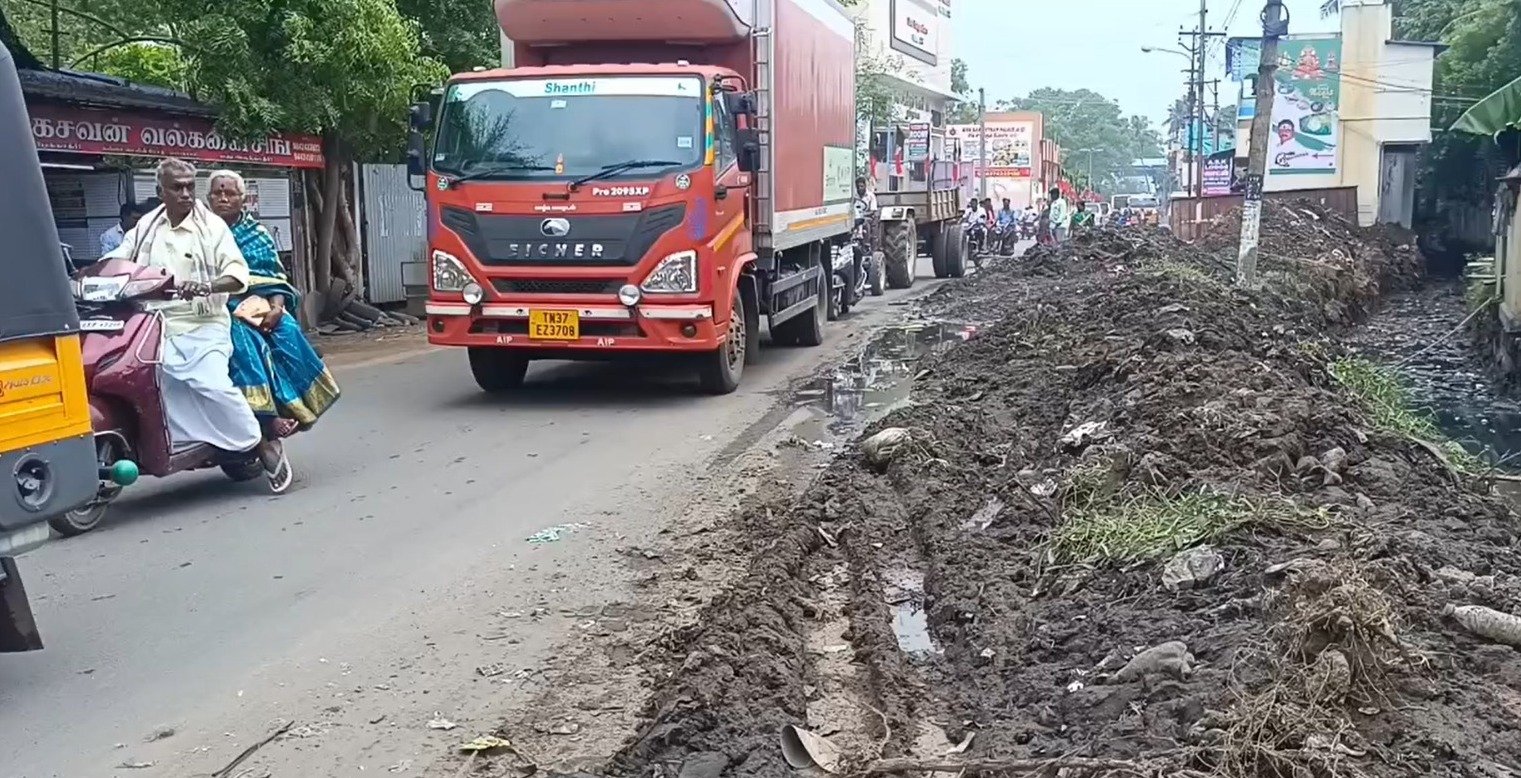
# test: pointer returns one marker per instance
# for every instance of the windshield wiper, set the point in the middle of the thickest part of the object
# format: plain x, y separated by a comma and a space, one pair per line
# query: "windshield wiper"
497, 170
619, 167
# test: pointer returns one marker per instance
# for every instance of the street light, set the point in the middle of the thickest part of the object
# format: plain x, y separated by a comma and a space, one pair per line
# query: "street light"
1156, 49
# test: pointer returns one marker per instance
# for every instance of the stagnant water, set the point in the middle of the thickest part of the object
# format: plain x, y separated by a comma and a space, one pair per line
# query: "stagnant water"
1418, 333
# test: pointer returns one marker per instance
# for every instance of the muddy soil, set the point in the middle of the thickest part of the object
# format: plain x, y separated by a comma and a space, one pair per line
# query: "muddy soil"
997, 585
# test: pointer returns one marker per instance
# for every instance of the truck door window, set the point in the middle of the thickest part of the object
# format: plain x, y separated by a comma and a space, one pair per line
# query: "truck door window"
557, 130
723, 127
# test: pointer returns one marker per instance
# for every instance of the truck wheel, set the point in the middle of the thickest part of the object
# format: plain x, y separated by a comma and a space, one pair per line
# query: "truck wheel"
900, 252
806, 329
497, 371
955, 251
940, 251
720, 370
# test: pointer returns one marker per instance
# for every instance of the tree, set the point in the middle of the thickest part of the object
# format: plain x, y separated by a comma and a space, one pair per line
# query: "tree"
966, 109
1083, 120
462, 34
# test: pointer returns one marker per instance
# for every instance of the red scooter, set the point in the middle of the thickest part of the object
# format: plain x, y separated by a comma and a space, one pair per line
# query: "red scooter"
122, 336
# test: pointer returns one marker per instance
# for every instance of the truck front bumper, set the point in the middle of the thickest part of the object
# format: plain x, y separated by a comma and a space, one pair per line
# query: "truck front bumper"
678, 328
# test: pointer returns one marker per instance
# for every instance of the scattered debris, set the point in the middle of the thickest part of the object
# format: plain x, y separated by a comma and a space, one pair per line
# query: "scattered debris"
441, 723
803, 750
1192, 568
881, 448
1487, 622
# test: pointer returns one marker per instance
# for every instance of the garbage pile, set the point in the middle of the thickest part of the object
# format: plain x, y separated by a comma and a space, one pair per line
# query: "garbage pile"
1148, 524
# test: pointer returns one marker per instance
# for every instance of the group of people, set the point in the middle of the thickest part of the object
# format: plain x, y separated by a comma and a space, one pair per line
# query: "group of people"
1050, 220
237, 371
1135, 217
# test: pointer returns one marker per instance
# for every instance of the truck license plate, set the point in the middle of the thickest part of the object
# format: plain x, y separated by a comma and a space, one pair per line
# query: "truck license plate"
554, 325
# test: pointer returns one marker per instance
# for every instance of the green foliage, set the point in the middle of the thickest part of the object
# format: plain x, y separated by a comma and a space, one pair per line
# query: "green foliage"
1083, 119
144, 63
341, 66
1379, 391
966, 109
1153, 525
462, 34
876, 99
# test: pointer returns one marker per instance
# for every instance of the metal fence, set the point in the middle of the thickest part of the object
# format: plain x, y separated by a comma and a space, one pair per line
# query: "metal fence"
395, 231
1189, 216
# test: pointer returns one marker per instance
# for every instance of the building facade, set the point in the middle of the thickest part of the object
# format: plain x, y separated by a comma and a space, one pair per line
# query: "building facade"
1352, 109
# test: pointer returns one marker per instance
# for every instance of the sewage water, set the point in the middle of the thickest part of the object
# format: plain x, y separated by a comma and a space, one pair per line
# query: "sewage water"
876, 380
1418, 333
904, 592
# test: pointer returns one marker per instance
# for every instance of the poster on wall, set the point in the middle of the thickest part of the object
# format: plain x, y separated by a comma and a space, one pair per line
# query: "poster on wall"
1009, 147
1219, 170
916, 29
1305, 109
916, 145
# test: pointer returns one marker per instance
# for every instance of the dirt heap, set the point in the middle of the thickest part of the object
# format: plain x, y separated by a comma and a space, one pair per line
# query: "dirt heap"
1149, 531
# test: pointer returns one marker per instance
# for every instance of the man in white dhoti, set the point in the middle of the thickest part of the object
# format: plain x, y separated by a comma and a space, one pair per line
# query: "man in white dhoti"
201, 403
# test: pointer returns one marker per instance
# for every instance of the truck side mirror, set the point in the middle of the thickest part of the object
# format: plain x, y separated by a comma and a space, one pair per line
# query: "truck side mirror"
749, 150
420, 115
417, 166
739, 103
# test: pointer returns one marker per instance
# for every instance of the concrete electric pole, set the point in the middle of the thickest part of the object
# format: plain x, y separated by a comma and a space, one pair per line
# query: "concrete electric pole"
982, 142
1274, 26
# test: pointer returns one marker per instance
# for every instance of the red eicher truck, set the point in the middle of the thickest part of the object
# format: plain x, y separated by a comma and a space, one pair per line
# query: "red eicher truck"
643, 178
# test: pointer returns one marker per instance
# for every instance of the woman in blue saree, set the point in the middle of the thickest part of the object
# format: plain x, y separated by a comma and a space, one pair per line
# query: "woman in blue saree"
273, 364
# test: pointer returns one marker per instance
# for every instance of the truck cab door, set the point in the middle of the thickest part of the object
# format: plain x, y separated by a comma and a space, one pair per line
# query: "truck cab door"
731, 186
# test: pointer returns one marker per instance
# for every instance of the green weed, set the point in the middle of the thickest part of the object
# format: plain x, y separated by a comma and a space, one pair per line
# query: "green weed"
1379, 391
1155, 525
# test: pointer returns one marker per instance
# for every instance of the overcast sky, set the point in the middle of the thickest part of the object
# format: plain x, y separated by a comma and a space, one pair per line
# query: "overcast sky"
1014, 46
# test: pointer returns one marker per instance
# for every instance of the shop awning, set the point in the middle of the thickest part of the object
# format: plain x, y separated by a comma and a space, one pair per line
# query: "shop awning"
1498, 112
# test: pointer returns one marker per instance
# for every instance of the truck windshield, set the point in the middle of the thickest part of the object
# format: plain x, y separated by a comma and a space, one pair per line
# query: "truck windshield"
565, 129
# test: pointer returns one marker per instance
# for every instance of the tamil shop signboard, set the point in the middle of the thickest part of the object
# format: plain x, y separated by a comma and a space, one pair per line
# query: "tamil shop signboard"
91, 131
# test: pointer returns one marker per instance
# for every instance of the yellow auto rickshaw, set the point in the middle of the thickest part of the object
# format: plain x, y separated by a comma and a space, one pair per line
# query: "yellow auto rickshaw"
47, 451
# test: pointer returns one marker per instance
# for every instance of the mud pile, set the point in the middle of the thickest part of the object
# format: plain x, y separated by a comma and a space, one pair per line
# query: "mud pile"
1140, 525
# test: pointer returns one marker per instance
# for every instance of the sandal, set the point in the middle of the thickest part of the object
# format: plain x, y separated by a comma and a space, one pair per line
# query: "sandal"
282, 476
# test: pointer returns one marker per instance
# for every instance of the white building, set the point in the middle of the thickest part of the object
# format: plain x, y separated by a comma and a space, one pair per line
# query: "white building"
1382, 109
913, 37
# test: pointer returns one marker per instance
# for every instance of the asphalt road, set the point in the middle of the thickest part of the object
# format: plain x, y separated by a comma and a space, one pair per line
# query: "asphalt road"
205, 613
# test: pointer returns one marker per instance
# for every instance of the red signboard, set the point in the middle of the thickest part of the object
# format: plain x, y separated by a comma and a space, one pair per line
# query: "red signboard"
90, 131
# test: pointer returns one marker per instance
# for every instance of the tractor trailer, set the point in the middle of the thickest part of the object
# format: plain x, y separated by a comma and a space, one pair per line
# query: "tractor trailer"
642, 178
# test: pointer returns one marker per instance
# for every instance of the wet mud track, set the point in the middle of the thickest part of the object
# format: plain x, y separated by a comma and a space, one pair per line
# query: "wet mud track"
1134, 525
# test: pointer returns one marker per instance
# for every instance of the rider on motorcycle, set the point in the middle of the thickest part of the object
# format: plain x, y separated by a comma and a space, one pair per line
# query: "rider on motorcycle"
1007, 216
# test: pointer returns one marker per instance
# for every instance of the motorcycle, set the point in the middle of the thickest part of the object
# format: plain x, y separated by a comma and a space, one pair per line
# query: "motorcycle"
1004, 239
121, 339
857, 269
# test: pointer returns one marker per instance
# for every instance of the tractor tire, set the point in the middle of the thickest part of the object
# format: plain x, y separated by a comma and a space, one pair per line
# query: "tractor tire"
956, 251
940, 250
900, 252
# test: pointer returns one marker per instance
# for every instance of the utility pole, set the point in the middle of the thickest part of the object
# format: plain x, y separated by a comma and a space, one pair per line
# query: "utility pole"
57, 55
982, 142
1202, 45
1274, 27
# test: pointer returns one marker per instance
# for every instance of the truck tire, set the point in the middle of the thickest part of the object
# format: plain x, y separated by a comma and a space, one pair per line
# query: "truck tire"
940, 251
497, 370
956, 250
806, 329
720, 370
900, 252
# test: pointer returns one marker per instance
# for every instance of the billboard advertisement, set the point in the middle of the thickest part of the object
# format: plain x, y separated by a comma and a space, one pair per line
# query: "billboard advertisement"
1010, 145
1306, 118
916, 29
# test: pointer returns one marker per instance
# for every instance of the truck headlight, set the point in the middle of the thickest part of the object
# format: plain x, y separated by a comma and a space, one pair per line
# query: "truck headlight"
676, 274
449, 274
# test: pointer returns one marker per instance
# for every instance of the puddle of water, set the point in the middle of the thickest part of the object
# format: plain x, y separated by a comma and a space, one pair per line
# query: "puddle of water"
876, 380
904, 591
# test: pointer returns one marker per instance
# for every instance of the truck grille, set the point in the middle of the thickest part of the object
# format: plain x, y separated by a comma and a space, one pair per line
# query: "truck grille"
601, 240
556, 286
